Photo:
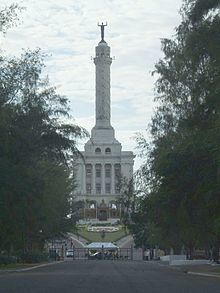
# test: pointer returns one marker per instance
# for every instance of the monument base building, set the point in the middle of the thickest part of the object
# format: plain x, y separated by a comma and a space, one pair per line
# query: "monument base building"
103, 165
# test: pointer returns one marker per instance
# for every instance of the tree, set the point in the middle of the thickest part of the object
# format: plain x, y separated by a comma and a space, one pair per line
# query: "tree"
37, 150
9, 16
126, 200
183, 157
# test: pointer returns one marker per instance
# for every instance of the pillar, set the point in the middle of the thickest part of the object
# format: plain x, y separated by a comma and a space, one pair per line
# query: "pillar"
93, 179
83, 178
112, 179
103, 180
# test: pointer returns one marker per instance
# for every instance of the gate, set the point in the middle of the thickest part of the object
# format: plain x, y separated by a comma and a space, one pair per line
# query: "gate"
125, 253
80, 253
103, 254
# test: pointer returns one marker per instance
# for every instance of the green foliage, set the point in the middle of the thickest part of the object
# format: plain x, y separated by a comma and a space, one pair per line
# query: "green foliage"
6, 260
9, 16
126, 200
33, 257
102, 224
181, 176
97, 237
37, 151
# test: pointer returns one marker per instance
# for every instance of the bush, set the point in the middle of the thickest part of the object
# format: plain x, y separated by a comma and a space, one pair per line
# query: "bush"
33, 257
5, 259
101, 224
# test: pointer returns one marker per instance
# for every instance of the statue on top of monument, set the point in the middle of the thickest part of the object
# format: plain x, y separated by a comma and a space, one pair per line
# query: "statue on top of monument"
102, 30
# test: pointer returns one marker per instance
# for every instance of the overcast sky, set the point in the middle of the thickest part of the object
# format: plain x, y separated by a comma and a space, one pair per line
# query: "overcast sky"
67, 30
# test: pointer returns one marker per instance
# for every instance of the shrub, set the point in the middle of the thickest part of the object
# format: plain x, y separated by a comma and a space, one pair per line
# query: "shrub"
102, 224
5, 259
33, 257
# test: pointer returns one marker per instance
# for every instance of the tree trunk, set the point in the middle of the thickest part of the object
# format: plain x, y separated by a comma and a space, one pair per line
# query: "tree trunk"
215, 253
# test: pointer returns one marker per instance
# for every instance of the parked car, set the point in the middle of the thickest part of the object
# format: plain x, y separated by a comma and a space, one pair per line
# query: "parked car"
70, 253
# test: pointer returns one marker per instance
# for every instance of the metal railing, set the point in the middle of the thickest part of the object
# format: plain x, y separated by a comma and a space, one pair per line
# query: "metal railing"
103, 254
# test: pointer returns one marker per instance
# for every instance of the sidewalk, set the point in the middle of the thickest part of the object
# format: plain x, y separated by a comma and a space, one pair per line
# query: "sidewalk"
77, 240
207, 270
28, 267
125, 242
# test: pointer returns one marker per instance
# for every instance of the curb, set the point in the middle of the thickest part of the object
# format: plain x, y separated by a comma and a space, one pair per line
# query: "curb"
30, 268
203, 274
179, 269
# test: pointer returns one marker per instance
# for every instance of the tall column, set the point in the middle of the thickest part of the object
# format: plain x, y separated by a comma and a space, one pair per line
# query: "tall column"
103, 180
112, 179
93, 179
103, 62
83, 178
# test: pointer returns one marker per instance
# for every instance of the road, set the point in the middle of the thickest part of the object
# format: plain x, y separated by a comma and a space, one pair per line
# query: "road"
96, 276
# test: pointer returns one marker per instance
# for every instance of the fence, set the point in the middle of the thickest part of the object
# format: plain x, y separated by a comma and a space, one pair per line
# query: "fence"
103, 254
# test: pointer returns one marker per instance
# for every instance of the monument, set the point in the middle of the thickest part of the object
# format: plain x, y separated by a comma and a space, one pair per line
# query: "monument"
103, 164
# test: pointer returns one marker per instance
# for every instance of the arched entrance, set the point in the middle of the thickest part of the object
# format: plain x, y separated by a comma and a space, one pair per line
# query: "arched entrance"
103, 211
103, 215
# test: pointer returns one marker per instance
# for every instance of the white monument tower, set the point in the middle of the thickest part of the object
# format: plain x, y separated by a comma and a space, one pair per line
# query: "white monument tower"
103, 164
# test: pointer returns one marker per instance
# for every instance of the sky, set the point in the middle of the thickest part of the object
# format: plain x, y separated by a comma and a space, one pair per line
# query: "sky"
67, 31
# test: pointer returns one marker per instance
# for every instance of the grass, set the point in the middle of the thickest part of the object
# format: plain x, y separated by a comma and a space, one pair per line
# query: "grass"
17, 266
96, 237
9, 266
216, 270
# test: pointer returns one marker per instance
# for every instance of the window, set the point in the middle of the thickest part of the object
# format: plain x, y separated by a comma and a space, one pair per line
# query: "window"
98, 173
97, 150
88, 170
88, 188
98, 170
117, 171
107, 171
107, 150
98, 188
107, 188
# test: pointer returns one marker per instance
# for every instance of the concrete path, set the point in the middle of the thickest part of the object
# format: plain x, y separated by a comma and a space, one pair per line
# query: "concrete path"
77, 241
125, 242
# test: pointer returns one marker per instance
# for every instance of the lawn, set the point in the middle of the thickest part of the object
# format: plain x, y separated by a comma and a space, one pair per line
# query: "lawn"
216, 270
96, 237
16, 266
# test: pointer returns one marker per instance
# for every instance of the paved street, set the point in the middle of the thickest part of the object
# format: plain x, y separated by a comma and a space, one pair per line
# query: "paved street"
105, 276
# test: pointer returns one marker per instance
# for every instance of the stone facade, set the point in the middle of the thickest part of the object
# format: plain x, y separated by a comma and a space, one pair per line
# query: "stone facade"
103, 163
